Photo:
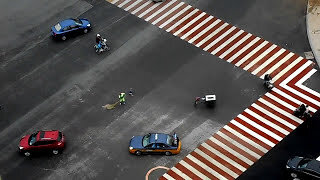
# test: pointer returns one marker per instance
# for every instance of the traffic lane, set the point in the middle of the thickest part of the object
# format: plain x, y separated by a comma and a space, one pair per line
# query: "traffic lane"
47, 68
301, 142
280, 22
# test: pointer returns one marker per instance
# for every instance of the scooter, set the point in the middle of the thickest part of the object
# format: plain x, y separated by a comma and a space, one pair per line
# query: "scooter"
209, 100
101, 47
302, 112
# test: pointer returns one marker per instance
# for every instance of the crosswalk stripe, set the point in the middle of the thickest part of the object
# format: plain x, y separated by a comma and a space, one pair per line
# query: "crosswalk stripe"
187, 9
191, 168
227, 42
167, 13
259, 57
232, 29
197, 27
251, 53
212, 34
272, 58
141, 7
167, 176
189, 23
205, 30
123, 3
200, 166
180, 173
160, 10
182, 20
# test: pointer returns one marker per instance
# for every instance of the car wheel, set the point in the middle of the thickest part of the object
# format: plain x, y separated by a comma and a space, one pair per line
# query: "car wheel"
168, 153
55, 152
27, 154
63, 38
85, 31
138, 153
294, 175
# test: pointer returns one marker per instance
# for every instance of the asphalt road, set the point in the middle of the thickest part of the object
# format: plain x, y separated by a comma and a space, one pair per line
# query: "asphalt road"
62, 85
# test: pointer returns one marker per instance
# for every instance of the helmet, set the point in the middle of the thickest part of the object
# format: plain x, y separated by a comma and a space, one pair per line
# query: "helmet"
104, 40
98, 35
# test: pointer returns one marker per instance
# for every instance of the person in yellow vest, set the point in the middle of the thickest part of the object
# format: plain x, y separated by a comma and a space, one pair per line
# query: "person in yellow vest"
122, 99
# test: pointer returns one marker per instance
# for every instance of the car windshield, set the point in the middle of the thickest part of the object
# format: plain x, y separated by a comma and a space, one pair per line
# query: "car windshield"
145, 140
57, 27
303, 163
32, 139
78, 21
169, 140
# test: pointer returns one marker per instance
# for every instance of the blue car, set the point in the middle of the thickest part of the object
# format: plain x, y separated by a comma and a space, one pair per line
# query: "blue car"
70, 27
155, 143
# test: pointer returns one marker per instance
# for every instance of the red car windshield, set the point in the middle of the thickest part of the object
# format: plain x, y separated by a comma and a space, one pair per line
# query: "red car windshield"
33, 139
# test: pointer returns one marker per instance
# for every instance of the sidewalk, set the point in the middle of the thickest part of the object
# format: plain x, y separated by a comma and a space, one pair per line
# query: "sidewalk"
313, 27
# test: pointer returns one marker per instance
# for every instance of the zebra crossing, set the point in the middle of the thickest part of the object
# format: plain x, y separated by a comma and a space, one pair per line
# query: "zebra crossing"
247, 137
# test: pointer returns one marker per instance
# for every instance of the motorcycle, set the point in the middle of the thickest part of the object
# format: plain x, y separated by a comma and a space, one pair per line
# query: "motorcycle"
101, 47
302, 112
209, 100
268, 84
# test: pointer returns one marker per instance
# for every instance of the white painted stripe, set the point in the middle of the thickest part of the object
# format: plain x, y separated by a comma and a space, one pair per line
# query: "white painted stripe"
160, 10
219, 38
216, 163
175, 16
235, 46
251, 53
254, 61
189, 23
182, 20
234, 142
132, 5
141, 7
267, 62
204, 166
297, 72
114, 2
227, 42
167, 13
148, 10
254, 144
278, 64
204, 31
285, 113
267, 122
181, 174
123, 3
254, 134
243, 49
197, 27
273, 116
310, 91
280, 101
301, 95
168, 177
193, 170
305, 77
224, 157
212, 34
261, 128
285, 70
230, 150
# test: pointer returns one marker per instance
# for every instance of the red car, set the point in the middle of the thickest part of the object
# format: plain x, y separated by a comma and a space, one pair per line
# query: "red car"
41, 141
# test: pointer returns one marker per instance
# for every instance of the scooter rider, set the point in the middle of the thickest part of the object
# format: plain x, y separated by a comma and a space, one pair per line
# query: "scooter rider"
98, 39
267, 78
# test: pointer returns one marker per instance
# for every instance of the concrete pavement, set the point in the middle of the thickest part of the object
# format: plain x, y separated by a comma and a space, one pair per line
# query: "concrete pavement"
313, 27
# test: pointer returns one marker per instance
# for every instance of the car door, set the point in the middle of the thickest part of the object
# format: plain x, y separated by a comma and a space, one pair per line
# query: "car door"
44, 145
150, 148
67, 31
74, 29
162, 148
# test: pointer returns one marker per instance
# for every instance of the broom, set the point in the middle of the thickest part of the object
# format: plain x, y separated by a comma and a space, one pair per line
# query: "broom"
110, 106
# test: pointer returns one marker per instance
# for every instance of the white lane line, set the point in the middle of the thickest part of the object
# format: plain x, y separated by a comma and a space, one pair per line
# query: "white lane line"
273, 116
175, 16
257, 59
167, 13
285, 70
212, 34
216, 163
123, 3
181, 174
235, 153
254, 134
224, 157
234, 142
243, 49
193, 170
148, 10
227, 42
219, 38
204, 31
182, 20
251, 142
197, 27
132, 5
160, 10
235, 46
189, 23
278, 64
267, 62
141, 7
267, 122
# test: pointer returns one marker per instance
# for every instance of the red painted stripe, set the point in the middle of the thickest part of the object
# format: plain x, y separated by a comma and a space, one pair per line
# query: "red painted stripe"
178, 18
220, 160
215, 36
270, 119
128, 4
255, 55
136, 6
238, 48
212, 166
299, 76
233, 42
155, 9
241, 141
193, 25
172, 14
228, 154
119, 2
277, 104
284, 99
263, 124
243, 54
264, 59
277, 113
305, 92
199, 168
208, 32
256, 130
284, 65
292, 70
270, 65
223, 40
164, 11
201, 28
185, 22
254, 139
174, 175
187, 172
144, 9
162, 178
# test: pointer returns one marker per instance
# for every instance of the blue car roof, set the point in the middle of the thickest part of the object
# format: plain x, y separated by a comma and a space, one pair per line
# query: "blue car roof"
66, 22
161, 138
